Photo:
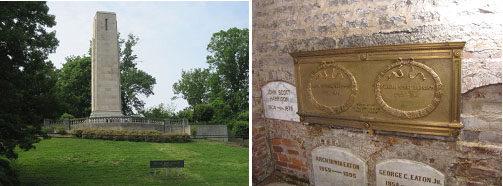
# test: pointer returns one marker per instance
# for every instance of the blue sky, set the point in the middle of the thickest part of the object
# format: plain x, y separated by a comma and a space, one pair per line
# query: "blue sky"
173, 35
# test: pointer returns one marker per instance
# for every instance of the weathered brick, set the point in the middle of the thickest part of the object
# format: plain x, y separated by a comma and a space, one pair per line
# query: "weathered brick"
282, 164
289, 143
283, 158
490, 136
298, 162
470, 135
293, 152
296, 167
277, 149
484, 173
276, 142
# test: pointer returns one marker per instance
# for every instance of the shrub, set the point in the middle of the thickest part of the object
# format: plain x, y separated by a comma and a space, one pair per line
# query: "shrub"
65, 116
48, 130
222, 111
240, 129
61, 130
193, 131
76, 133
8, 175
203, 112
147, 136
243, 116
186, 114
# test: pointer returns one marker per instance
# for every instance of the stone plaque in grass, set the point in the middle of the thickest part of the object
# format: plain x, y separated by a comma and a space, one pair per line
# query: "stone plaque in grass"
280, 101
338, 166
398, 172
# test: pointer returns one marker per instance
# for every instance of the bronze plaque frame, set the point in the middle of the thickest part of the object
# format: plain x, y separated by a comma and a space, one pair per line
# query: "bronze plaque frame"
413, 88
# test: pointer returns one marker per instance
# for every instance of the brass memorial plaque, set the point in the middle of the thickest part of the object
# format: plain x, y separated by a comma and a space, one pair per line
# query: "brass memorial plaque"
403, 88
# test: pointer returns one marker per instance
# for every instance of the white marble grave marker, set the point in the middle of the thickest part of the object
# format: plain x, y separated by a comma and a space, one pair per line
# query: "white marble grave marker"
338, 166
280, 101
398, 172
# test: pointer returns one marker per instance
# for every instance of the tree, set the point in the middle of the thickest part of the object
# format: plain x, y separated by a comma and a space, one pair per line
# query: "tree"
74, 86
193, 86
27, 79
160, 111
229, 58
203, 112
134, 82
74, 83
224, 85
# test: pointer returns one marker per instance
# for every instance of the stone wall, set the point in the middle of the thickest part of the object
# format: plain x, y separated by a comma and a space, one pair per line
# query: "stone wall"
213, 132
284, 26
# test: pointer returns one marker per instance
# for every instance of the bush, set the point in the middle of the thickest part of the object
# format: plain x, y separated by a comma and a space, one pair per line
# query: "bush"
65, 116
240, 129
243, 116
203, 112
120, 135
76, 133
186, 114
7, 175
48, 130
61, 130
193, 131
222, 111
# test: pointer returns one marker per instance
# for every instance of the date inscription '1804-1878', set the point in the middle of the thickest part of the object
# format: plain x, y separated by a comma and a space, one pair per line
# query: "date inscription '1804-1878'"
401, 88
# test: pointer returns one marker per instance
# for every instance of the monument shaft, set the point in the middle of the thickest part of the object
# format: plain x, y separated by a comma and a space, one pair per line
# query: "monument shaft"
105, 74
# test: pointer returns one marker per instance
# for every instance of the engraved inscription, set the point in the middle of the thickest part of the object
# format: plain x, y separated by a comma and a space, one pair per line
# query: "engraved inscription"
366, 108
337, 165
332, 80
400, 172
280, 101
402, 87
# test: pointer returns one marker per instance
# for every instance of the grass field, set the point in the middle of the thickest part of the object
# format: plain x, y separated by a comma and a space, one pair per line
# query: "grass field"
70, 161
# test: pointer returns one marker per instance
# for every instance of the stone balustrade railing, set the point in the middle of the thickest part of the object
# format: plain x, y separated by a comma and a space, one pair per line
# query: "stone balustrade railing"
124, 119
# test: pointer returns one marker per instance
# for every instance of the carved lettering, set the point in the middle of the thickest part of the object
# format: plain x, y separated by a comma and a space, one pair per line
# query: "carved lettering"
406, 172
280, 101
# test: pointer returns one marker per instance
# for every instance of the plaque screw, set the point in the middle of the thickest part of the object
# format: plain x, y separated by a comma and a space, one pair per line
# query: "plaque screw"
363, 57
457, 53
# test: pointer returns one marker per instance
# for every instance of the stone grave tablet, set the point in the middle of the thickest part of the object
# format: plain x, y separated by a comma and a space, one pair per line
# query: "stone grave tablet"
280, 101
400, 172
338, 166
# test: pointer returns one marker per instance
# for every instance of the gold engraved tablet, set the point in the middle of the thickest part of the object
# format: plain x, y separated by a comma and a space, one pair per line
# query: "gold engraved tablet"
401, 88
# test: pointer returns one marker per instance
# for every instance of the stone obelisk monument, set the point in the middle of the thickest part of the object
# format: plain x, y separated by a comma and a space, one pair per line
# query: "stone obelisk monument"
105, 74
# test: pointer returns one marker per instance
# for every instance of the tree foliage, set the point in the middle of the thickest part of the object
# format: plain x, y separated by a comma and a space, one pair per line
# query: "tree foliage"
193, 87
229, 58
74, 86
203, 112
160, 111
74, 83
134, 82
224, 85
26, 77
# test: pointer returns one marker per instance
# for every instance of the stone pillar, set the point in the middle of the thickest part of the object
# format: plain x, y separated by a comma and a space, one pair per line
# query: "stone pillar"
105, 73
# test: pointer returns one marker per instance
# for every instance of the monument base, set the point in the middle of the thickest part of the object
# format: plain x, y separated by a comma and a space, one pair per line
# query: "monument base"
113, 113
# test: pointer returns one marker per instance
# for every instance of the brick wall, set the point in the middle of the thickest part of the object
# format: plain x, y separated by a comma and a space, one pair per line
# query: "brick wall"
284, 26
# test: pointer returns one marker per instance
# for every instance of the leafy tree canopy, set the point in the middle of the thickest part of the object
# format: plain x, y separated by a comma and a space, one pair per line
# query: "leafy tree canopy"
74, 86
26, 77
74, 83
193, 87
160, 111
224, 86
134, 82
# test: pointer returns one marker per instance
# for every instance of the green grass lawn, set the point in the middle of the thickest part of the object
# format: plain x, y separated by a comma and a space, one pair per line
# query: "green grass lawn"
70, 161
